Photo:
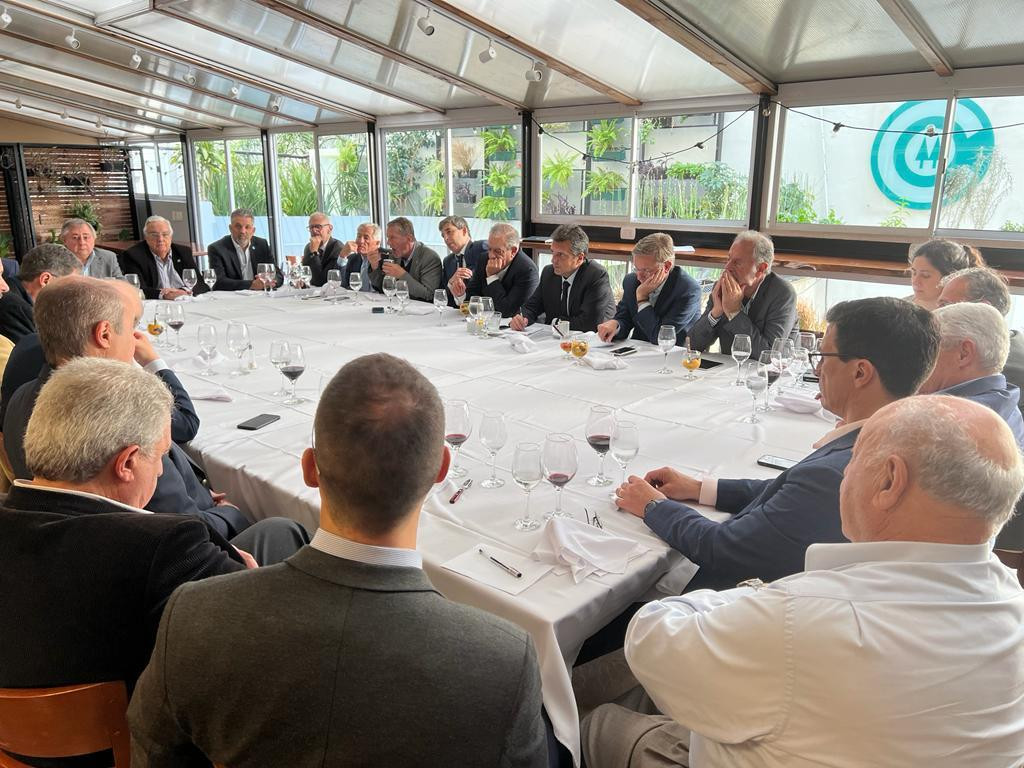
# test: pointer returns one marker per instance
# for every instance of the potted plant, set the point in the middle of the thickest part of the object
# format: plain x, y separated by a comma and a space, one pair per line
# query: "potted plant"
603, 139
86, 211
464, 157
557, 169
605, 185
499, 143
491, 207
435, 199
500, 177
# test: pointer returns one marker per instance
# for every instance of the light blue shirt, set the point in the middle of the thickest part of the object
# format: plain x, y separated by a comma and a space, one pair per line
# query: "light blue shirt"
337, 546
169, 277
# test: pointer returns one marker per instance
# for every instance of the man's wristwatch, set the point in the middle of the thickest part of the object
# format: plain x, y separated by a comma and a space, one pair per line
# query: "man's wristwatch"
650, 505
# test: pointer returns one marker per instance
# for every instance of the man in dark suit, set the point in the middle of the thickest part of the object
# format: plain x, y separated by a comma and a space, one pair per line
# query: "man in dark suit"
40, 266
236, 257
159, 262
874, 351
367, 242
656, 293
463, 256
572, 287
506, 274
323, 252
748, 299
410, 260
390, 672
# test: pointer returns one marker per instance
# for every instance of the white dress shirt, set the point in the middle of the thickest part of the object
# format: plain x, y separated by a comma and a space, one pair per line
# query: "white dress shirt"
244, 262
167, 274
332, 544
881, 654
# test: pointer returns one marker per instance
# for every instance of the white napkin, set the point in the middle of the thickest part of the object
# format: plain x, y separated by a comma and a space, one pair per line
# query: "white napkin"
799, 400
202, 363
584, 548
601, 361
437, 502
287, 292
217, 394
246, 292
479, 567
521, 343
418, 308
594, 340
187, 297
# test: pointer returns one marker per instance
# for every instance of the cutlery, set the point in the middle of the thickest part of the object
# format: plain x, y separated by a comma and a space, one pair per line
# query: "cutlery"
459, 492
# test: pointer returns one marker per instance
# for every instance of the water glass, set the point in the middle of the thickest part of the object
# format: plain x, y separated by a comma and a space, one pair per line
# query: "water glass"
527, 473
189, 278
210, 278
740, 351
355, 283
390, 289
624, 446
133, 280
755, 379
280, 354
238, 342
666, 340
266, 275
765, 358
440, 302
206, 336
333, 284
402, 292
493, 434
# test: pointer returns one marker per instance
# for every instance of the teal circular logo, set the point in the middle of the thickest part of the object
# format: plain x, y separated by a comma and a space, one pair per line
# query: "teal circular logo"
904, 161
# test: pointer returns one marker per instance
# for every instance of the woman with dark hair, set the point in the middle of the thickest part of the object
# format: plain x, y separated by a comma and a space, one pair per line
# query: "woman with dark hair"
932, 261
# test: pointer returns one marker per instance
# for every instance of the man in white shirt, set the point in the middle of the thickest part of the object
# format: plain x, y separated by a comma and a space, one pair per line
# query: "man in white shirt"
904, 647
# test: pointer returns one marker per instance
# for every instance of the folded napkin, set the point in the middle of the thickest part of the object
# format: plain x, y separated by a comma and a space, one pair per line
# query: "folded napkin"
200, 362
586, 550
287, 292
246, 292
418, 308
216, 394
601, 361
799, 400
189, 297
594, 340
521, 343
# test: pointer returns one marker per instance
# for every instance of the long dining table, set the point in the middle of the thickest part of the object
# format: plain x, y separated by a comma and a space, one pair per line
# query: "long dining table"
694, 426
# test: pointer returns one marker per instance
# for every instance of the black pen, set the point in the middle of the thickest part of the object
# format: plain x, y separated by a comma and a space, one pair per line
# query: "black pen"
506, 568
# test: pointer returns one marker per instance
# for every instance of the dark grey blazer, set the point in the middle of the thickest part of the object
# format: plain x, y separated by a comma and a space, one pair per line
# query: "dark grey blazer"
770, 316
423, 274
321, 661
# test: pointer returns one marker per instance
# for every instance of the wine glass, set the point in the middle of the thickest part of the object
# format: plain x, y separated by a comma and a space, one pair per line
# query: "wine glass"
210, 278
493, 434
292, 370
773, 373
755, 378
189, 278
402, 292
280, 355
306, 275
266, 275
457, 429
159, 324
691, 362
599, 428
527, 473
355, 282
206, 335
798, 366
238, 344
740, 352
440, 302
666, 340
486, 310
560, 461
333, 284
390, 289
782, 353
176, 320
133, 280
579, 348
624, 447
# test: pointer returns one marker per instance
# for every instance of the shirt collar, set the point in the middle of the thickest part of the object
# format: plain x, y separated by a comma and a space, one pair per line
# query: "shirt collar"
85, 494
159, 260
838, 432
239, 245
995, 380
832, 556
338, 546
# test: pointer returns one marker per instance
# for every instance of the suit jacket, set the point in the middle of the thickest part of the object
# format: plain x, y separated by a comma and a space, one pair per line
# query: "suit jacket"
390, 673
224, 260
513, 289
323, 260
104, 264
995, 393
772, 524
678, 305
590, 298
23, 366
16, 316
139, 259
476, 251
422, 273
770, 316
1014, 368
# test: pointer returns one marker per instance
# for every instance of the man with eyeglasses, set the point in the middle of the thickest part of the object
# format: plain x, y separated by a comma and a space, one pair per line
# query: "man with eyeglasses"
159, 262
323, 252
656, 293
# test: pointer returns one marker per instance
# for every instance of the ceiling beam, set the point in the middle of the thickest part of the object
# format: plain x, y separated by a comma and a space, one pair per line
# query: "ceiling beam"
697, 41
488, 30
401, 57
920, 36
8, 106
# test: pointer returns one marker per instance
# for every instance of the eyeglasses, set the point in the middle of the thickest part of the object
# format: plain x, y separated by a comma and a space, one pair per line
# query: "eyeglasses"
317, 227
815, 357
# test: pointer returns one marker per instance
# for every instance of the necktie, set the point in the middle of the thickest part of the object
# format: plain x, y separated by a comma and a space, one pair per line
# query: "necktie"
460, 259
564, 304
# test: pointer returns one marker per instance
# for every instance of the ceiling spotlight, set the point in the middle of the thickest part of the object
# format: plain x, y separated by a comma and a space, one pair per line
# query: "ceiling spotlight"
64, 115
234, 90
423, 22
190, 77
488, 53
73, 42
534, 74
136, 60
17, 103
275, 104
5, 19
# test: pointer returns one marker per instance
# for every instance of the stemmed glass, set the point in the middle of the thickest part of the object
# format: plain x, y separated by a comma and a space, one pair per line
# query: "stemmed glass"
600, 425
486, 311
390, 289
238, 344
333, 284
691, 362
295, 277
475, 308
355, 283
773, 373
578, 348
210, 278
666, 340
280, 354
560, 461
493, 434
527, 474
265, 273
755, 378
782, 354
188, 277
133, 280
294, 368
740, 352
798, 367
624, 447
306, 275
457, 429
176, 320
160, 316
206, 335
402, 292
440, 302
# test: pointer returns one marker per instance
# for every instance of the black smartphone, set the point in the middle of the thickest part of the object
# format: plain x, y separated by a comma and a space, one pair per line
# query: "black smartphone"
810, 378
386, 253
259, 421
623, 351
776, 462
705, 363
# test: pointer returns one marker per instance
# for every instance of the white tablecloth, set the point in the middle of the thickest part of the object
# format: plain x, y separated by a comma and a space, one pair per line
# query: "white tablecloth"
693, 426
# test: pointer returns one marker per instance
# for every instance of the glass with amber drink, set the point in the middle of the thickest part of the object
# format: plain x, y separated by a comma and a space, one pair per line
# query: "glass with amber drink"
579, 348
566, 346
158, 324
691, 362
464, 309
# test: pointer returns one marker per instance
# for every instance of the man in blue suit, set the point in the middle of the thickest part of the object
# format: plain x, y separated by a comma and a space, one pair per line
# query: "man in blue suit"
875, 351
505, 273
463, 256
655, 294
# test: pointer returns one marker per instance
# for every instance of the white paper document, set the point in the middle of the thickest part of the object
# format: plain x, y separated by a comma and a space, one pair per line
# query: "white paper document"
481, 567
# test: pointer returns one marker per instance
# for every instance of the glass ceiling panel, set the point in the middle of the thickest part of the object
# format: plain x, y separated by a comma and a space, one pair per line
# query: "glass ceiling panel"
976, 33
796, 40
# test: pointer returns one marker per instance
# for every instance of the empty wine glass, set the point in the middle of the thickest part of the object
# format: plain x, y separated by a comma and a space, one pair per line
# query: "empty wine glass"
390, 289
188, 277
666, 340
266, 275
238, 344
440, 302
599, 428
333, 284
176, 320
206, 335
402, 292
280, 355
624, 446
782, 353
294, 368
355, 282
691, 362
560, 461
493, 435
210, 278
740, 352
306, 275
798, 367
132, 279
773, 373
755, 378
527, 473
457, 429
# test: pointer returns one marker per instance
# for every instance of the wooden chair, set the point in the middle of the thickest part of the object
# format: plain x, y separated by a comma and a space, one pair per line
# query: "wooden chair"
1013, 559
66, 721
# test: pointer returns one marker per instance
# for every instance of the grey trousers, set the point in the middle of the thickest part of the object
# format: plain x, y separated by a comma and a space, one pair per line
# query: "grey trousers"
631, 733
272, 540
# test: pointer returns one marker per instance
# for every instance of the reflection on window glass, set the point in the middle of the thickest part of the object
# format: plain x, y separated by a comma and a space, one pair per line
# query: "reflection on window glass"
172, 174
676, 180
296, 184
151, 170
487, 176
983, 167
344, 167
416, 180
861, 177
585, 167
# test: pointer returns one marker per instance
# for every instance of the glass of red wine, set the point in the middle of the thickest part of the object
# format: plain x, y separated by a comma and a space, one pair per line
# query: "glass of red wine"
292, 369
600, 426
560, 461
457, 429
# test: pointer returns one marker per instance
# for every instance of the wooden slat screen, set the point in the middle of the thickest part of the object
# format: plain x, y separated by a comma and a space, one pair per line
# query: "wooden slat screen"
61, 177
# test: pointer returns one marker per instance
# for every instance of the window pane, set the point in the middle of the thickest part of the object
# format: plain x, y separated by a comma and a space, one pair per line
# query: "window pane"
344, 165
984, 166
297, 188
860, 177
487, 168
247, 180
416, 181
172, 175
152, 172
214, 197
585, 167
678, 183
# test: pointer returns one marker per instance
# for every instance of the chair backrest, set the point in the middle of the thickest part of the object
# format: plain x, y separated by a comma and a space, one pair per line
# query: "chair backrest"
1012, 559
66, 721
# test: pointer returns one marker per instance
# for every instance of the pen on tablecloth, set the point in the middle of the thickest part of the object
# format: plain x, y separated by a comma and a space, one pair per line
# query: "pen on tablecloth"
506, 568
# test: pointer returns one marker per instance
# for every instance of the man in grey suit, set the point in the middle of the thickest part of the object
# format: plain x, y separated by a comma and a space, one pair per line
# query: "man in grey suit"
747, 299
344, 654
411, 261
79, 237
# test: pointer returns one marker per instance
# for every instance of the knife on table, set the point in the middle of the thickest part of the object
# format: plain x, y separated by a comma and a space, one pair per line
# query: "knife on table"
459, 492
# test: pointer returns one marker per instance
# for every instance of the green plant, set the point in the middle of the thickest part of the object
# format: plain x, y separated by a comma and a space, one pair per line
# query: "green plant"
346, 189
298, 190
1012, 226
408, 154
604, 136
85, 210
796, 204
684, 170
898, 216
500, 176
5, 245
498, 140
600, 182
724, 192
434, 202
557, 169
491, 207
126, 234
975, 191
247, 177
